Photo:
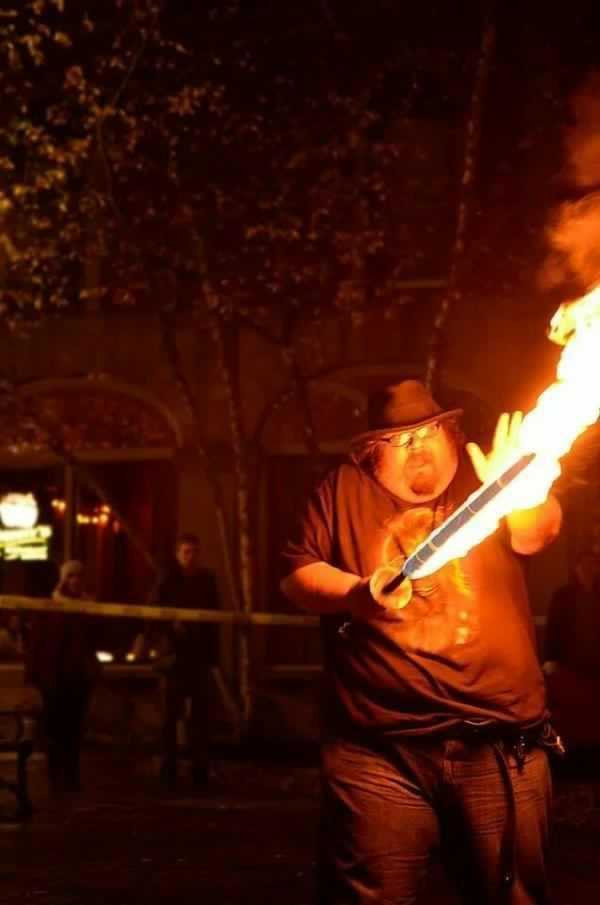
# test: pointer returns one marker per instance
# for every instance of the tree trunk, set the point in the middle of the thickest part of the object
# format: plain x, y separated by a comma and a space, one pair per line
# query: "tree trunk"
169, 343
228, 360
472, 136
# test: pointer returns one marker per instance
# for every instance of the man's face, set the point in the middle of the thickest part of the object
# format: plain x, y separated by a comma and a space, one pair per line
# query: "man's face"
417, 466
187, 555
74, 584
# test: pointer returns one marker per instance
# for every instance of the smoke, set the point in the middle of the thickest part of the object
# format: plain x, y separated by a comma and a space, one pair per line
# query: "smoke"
574, 233
575, 238
583, 140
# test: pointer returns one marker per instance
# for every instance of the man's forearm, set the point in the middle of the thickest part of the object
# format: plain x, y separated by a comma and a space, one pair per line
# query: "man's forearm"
320, 588
532, 529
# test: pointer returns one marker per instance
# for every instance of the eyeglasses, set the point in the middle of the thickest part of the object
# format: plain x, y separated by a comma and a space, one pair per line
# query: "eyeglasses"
406, 439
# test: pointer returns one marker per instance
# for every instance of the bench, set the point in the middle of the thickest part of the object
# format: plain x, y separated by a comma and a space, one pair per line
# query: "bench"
20, 708
16, 740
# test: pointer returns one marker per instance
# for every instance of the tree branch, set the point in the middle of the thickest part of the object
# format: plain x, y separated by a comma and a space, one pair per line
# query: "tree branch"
473, 132
27, 408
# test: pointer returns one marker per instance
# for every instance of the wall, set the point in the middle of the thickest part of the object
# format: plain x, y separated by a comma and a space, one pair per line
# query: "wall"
494, 361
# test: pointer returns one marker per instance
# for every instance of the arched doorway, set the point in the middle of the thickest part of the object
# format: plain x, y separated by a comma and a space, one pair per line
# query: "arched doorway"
97, 457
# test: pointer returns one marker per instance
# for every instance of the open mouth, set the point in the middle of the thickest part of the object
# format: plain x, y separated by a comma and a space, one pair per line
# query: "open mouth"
418, 463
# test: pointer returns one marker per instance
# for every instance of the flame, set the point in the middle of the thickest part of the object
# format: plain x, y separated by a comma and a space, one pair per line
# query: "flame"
563, 411
571, 404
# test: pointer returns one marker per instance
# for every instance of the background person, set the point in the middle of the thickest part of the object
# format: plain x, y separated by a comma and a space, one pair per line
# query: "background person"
572, 654
61, 663
185, 654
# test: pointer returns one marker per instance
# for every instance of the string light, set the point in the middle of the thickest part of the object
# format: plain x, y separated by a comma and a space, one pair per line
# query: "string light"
103, 656
100, 515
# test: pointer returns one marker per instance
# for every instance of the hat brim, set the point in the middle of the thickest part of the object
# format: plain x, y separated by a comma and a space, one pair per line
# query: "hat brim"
386, 431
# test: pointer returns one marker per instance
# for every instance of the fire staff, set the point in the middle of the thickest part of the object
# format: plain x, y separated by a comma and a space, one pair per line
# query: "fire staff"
436, 728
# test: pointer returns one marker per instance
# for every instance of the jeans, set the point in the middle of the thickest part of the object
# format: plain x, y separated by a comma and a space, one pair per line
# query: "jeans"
174, 690
64, 711
386, 810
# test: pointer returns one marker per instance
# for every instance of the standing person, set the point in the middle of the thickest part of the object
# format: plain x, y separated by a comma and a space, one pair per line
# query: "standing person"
61, 663
435, 717
572, 636
186, 654
572, 653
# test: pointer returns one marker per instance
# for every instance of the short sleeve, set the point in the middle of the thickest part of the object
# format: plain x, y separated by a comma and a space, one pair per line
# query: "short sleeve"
312, 538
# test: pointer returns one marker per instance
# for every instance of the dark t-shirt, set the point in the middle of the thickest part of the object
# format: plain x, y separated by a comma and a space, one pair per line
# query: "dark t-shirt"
465, 648
196, 645
60, 650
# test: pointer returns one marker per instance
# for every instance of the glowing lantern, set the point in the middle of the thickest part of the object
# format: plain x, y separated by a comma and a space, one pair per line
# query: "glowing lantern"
103, 656
18, 510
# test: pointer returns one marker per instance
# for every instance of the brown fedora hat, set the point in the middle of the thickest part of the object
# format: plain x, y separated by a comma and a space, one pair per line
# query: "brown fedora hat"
400, 407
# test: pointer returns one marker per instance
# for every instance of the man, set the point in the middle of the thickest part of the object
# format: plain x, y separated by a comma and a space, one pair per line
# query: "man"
572, 636
185, 654
572, 653
434, 707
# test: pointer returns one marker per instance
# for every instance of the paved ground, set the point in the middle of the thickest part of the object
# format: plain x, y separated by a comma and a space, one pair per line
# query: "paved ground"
249, 840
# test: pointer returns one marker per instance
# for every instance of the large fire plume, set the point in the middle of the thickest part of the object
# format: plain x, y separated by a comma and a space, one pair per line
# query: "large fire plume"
522, 476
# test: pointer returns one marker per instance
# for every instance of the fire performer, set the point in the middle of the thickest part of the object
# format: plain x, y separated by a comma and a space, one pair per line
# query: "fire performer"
435, 714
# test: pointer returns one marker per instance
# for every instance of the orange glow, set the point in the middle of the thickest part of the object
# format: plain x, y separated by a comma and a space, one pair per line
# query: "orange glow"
103, 512
563, 411
83, 519
101, 515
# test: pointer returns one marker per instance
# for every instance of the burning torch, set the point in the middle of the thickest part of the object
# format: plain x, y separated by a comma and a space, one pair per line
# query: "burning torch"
563, 411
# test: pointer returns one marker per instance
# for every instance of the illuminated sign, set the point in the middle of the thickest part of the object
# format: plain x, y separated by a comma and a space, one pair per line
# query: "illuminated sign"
25, 543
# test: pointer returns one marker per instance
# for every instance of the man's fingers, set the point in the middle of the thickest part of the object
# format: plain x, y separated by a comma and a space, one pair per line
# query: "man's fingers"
515, 428
505, 443
478, 460
501, 432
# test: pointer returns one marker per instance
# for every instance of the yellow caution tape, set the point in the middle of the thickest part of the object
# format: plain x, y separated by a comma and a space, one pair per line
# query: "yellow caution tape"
139, 611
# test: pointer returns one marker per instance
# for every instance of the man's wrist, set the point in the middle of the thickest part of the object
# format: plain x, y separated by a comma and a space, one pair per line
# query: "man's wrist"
532, 529
364, 602
360, 600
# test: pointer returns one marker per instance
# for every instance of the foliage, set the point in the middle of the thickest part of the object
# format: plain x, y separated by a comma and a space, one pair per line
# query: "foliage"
256, 160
